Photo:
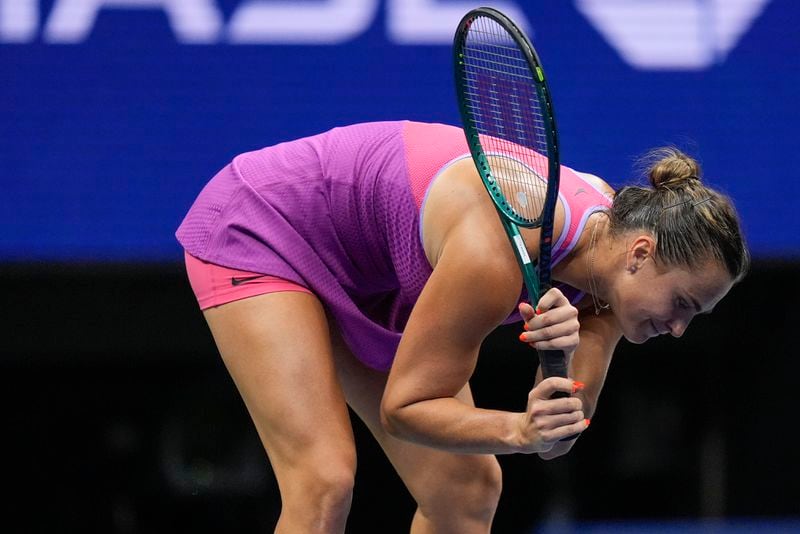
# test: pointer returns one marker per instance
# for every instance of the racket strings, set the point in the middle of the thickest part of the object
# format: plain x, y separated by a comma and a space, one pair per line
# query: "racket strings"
506, 112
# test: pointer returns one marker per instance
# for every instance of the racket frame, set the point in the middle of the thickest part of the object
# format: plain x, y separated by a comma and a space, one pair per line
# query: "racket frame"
537, 276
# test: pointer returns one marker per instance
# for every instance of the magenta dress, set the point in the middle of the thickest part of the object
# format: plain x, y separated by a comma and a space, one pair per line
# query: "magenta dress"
339, 213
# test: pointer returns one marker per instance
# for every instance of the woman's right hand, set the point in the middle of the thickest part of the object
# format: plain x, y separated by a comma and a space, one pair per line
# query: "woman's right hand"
546, 421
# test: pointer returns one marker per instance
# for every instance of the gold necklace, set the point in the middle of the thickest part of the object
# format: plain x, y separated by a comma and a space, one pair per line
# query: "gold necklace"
598, 306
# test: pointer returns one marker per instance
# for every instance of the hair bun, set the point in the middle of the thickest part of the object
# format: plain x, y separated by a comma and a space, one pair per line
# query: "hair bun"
668, 167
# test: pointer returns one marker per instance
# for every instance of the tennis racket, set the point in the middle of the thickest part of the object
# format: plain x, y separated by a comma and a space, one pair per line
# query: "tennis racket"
507, 115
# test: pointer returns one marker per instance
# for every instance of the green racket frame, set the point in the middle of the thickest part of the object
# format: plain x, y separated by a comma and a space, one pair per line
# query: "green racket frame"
536, 276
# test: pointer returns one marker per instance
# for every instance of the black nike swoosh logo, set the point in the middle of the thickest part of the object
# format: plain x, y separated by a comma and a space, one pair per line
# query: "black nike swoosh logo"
238, 281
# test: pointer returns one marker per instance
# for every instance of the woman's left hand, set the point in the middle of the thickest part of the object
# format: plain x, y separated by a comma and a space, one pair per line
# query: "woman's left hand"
553, 325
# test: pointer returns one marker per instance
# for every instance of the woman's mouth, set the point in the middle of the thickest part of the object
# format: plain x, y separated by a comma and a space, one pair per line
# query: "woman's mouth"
655, 330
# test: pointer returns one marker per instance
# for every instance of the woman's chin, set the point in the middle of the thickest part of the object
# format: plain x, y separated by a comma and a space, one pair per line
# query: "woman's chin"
637, 338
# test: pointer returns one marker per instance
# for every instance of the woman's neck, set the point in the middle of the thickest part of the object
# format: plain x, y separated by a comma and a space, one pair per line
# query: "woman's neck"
583, 267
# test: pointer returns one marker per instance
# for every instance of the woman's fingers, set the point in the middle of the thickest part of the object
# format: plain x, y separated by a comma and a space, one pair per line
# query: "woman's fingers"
547, 419
545, 390
554, 324
554, 298
526, 311
565, 431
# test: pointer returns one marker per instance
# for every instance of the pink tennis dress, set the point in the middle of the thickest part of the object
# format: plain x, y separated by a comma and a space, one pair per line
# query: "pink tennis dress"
339, 213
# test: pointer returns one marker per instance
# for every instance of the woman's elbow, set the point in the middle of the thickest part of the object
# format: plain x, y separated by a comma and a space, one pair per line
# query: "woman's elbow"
391, 417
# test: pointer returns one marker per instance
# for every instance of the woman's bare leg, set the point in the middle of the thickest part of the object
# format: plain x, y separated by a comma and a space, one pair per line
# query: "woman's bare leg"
278, 352
455, 493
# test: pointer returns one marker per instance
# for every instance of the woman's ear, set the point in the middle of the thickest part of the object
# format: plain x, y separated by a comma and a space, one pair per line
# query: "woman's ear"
642, 249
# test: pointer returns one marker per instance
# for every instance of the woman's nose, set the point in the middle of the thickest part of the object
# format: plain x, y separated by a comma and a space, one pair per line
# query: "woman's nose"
677, 327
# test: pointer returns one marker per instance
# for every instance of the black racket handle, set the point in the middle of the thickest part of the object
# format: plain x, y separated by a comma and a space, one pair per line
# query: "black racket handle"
554, 363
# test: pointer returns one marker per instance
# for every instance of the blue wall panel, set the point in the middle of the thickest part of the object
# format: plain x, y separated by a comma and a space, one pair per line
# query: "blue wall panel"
108, 132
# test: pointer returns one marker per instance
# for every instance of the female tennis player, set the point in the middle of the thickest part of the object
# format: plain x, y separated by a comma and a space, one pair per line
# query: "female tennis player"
366, 265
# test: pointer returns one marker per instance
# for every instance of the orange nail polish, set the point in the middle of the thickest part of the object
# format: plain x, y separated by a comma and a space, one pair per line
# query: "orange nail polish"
588, 421
537, 311
577, 386
522, 337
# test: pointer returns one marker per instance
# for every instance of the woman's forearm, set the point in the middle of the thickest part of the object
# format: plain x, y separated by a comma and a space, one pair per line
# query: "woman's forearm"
452, 425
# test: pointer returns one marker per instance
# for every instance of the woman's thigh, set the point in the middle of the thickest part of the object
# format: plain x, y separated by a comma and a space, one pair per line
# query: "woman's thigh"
277, 349
440, 481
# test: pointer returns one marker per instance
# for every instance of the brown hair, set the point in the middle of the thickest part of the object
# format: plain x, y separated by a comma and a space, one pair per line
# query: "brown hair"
689, 221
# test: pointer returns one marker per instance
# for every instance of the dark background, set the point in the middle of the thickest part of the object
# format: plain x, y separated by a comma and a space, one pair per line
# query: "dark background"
121, 417
119, 414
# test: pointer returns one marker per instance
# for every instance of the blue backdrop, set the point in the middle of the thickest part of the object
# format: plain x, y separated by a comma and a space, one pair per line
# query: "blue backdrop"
113, 114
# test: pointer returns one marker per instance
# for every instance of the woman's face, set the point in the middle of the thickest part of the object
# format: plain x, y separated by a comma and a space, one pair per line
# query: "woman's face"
652, 299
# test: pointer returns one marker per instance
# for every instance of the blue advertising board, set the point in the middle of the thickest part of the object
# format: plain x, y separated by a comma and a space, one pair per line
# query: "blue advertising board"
114, 113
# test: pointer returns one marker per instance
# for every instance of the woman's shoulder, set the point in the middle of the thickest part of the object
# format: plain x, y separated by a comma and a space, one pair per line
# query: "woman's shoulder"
456, 199
597, 182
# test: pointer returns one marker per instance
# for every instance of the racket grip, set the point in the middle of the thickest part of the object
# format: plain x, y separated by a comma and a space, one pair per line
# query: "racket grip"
554, 363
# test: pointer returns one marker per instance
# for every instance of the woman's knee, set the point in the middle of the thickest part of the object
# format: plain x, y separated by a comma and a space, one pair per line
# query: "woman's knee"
332, 485
321, 493
472, 491
486, 486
